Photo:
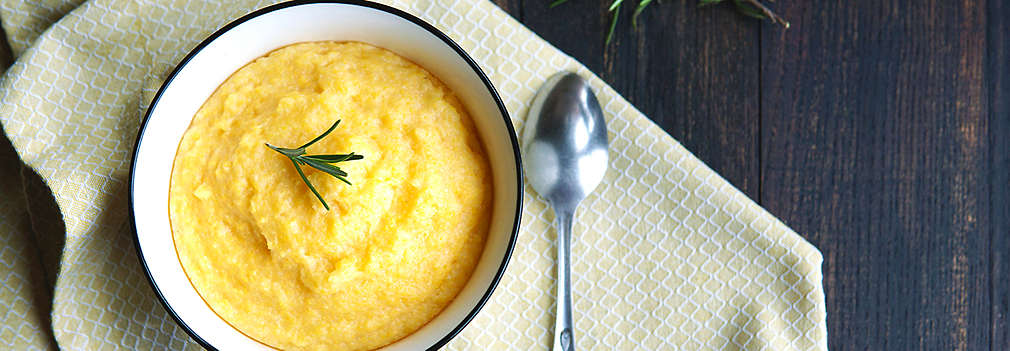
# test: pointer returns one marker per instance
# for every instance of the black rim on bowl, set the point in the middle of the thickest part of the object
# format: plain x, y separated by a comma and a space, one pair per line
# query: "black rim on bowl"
417, 21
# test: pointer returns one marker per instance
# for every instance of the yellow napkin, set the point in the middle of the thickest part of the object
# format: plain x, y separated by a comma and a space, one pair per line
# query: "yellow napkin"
667, 254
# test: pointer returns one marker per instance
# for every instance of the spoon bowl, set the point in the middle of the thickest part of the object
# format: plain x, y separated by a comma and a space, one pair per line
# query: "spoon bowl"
565, 140
565, 148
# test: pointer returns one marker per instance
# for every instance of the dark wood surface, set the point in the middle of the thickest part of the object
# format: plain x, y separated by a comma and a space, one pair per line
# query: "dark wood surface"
878, 130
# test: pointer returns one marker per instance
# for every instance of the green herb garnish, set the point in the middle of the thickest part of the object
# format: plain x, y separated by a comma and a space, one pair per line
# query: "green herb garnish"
752, 8
321, 162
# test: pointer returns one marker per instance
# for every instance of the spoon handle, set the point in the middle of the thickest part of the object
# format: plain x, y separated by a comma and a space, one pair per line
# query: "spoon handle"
563, 328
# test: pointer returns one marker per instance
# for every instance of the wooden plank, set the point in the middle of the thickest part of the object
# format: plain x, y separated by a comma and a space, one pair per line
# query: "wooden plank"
876, 147
692, 71
998, 74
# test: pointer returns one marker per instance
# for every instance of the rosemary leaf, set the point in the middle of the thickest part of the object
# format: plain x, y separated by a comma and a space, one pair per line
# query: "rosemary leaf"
334, 158
307, 182
327, 132
638, 11
556, 3
613, 24
613, 6
325, 167
747, 10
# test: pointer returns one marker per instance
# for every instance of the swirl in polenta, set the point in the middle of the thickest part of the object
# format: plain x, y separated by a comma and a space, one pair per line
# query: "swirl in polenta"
398, 244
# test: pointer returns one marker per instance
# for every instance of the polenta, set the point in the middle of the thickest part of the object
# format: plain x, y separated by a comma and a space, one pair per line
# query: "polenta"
397, 245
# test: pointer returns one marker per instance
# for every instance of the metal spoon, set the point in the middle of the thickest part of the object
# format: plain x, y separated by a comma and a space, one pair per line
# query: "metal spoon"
565, 151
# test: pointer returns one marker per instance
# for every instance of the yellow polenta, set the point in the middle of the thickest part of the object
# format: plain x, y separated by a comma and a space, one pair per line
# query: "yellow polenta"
398, 244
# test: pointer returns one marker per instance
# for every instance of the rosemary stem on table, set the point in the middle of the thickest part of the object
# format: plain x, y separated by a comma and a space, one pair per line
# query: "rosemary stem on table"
752, 8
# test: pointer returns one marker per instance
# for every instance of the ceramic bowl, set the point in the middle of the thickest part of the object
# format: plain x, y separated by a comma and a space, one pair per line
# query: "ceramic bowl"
252, 36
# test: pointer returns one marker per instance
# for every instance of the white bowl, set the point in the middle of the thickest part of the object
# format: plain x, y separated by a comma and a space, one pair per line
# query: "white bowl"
252, 36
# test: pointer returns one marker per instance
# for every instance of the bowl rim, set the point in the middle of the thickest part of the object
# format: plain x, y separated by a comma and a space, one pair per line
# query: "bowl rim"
377, 6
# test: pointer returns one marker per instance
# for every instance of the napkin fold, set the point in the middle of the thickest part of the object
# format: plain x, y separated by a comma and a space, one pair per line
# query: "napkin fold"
667, 255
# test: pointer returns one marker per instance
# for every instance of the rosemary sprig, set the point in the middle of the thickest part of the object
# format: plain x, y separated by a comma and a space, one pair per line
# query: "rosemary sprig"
752, 8
321, 162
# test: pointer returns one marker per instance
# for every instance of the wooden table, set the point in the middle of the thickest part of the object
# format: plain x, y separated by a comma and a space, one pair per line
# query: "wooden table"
879, 130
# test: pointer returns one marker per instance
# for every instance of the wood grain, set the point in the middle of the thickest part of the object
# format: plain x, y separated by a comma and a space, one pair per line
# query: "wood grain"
998, 74
876, 148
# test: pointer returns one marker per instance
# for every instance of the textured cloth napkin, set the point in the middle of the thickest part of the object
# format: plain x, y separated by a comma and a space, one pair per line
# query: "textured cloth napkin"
667, 254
